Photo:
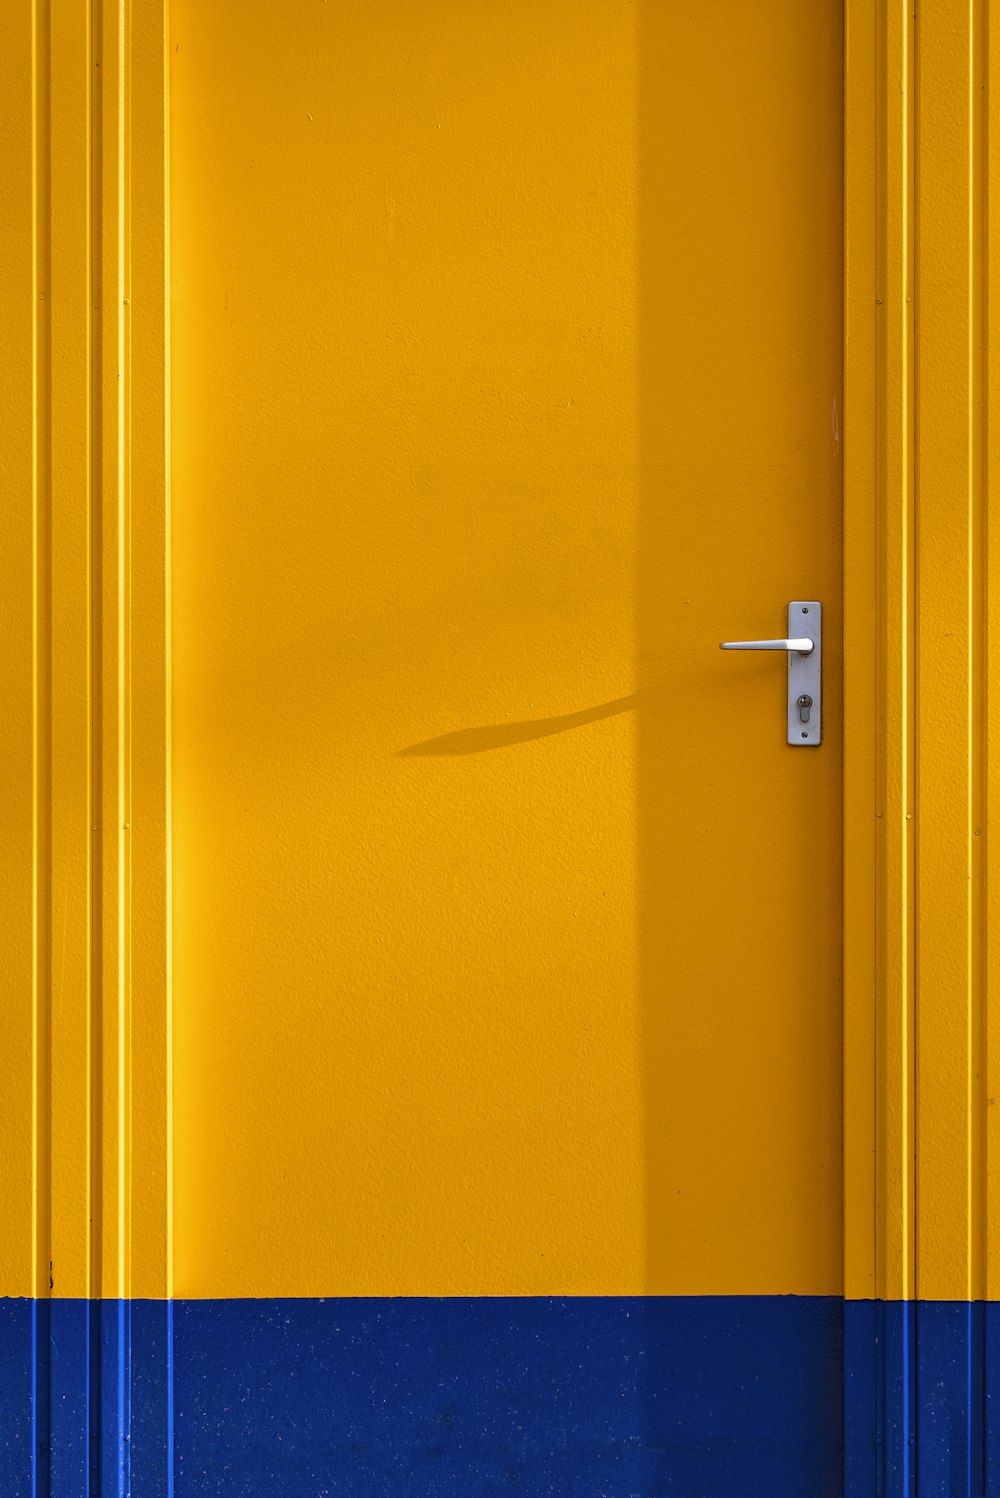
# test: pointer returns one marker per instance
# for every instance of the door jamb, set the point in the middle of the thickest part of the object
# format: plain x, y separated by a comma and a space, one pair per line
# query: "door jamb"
920, 129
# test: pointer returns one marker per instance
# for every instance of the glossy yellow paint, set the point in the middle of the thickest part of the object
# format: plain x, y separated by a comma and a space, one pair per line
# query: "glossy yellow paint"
879, 740
921, 1050
506, 379
684, 1138
84, 976
18, 1256
950, 1103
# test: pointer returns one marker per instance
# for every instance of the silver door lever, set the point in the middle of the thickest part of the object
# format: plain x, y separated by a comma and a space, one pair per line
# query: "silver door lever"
804, 647
804, 712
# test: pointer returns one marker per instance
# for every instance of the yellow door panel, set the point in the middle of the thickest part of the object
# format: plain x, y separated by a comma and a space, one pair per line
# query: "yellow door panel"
505, 370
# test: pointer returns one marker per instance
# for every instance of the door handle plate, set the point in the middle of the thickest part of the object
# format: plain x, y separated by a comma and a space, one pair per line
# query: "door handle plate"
805, 675
803, 649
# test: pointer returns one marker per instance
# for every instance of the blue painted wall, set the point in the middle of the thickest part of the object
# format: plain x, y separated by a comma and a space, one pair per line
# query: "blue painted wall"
460, 1397
718, 1397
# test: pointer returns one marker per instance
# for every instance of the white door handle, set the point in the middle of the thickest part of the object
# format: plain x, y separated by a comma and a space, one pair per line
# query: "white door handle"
804, 647
804, 724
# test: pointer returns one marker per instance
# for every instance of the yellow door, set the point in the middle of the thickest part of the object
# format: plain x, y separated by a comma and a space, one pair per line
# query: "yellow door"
507, 937
504, 1140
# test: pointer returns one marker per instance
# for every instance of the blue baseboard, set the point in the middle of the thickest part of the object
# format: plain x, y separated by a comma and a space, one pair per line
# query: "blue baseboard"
922, 1399
492, 1397
698, 1397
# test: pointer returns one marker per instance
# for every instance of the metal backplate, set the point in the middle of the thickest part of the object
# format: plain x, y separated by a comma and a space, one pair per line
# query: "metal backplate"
805, 674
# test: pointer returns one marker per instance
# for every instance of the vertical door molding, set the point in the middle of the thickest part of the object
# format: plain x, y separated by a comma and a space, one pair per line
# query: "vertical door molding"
879, 730
147, 259
146, 1444
85, 561
130, 648
918, 1090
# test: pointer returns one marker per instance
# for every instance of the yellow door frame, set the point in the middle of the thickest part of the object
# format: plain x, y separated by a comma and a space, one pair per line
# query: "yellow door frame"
87, 283
922, 145
85, 585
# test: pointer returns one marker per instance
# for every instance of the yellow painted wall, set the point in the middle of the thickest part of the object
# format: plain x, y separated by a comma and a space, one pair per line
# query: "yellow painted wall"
506, 364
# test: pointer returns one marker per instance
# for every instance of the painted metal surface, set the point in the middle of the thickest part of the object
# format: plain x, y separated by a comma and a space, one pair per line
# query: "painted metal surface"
84, 887
920, 1164
252, 1397
803, 647
919, 1200
449, 999
84, 916
452, 1396
463, 1122
461, 466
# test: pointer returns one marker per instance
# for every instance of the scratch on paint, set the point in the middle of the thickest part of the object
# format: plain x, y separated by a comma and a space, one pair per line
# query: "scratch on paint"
835, 422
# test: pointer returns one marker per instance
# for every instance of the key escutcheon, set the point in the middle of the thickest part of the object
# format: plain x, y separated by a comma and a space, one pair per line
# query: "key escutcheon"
803, 648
